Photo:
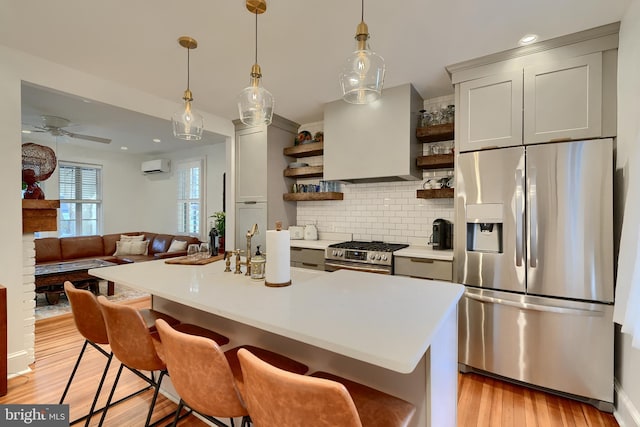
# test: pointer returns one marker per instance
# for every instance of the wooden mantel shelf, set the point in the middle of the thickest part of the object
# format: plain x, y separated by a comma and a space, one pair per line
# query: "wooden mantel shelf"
39, 215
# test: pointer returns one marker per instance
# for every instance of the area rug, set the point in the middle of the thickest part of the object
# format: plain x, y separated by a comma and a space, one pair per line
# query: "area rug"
45, 310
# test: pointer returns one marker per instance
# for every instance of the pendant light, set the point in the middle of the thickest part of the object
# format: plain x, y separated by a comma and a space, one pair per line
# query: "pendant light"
255, 103
187, 123
362, 76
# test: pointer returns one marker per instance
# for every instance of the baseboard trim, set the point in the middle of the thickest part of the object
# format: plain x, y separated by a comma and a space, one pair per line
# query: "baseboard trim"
626, 413
17, 363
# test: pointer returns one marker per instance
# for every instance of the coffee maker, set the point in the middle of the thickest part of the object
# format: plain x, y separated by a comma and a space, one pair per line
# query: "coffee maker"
442, 237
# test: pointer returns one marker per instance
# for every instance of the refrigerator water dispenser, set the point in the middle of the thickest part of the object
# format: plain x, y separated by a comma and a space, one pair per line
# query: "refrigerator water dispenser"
484, 228
484, 237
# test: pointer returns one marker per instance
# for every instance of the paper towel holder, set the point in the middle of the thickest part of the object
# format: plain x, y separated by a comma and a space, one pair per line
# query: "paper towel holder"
283, 284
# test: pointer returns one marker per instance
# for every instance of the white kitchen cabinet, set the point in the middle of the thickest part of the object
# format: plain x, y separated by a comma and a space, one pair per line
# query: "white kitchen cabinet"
563, 99
491, 112
307, 258
259, 179
546, 101
424, 268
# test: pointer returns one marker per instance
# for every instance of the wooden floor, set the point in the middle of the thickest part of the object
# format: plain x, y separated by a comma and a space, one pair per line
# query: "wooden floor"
482, 401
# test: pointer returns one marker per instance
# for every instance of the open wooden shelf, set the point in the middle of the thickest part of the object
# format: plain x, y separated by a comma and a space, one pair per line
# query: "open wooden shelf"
305, 150
305, 172
439, 193
300, 197
435, 133
435, 161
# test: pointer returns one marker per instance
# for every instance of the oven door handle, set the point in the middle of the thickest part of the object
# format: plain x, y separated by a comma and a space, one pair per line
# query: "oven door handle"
329, 266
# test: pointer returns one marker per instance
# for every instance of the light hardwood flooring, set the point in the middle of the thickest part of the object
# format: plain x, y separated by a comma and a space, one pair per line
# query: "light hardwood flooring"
482, 401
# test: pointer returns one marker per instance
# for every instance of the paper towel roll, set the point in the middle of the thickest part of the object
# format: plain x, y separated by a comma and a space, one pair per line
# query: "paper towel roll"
278, 258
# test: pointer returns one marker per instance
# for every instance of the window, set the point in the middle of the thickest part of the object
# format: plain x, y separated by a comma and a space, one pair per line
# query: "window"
190, 197
80, 200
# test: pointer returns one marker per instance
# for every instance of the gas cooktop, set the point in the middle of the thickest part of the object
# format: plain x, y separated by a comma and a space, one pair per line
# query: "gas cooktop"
369, 246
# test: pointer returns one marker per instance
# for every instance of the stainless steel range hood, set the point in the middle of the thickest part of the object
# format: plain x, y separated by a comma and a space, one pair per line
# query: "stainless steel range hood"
374, 142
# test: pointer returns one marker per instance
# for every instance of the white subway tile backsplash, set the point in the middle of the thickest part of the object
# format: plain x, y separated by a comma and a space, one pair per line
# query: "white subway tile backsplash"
387, 211
378, 211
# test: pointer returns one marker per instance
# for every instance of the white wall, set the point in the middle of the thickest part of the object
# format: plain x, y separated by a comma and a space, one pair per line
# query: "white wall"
161, 189
628, 162
122, 185
16, 67
133, 201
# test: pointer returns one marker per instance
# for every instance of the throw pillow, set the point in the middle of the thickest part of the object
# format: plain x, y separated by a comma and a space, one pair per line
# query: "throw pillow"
177, 246
127, 238
132, 248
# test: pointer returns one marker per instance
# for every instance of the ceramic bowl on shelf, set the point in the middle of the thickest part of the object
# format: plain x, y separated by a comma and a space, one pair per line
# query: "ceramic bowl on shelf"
298, 165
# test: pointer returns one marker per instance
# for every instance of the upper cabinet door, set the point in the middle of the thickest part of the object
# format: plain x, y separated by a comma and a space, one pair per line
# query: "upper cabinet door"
563, 100
491, 112
251, 165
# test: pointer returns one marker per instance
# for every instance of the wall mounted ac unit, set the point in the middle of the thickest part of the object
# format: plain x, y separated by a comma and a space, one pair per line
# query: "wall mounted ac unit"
156, 166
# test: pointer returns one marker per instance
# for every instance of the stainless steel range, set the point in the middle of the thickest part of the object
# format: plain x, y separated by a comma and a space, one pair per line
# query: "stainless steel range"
374, 257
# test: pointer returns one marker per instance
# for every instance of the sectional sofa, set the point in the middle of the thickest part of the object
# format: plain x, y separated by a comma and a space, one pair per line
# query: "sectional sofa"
51, 250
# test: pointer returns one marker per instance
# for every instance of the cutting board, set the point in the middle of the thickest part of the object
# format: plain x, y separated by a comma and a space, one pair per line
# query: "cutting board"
183, 260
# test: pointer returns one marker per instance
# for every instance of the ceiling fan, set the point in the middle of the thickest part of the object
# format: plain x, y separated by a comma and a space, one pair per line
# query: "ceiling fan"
55, 126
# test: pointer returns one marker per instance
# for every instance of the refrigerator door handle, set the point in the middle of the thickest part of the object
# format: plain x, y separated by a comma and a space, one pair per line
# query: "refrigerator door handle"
533, 218
519, 218
536, 307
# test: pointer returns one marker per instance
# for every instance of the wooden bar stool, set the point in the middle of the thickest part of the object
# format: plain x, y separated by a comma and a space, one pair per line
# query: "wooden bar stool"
138, 348
278, 398
208, 380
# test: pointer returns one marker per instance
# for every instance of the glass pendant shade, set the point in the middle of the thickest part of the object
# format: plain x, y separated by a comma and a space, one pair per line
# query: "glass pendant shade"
362, 76
187, 123
255, 104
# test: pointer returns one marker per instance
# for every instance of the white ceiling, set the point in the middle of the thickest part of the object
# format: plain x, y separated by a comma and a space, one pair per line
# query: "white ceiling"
302, 44
126, 128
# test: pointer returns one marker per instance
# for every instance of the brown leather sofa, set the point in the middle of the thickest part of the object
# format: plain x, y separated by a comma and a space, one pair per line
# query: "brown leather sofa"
53, 249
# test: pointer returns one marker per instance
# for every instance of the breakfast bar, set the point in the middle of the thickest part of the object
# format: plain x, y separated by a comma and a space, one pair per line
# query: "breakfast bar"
397, 334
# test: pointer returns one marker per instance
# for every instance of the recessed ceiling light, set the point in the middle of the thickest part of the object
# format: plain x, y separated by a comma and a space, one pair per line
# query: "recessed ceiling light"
528, 39
86, 101
156, 140
124, 148
26, 131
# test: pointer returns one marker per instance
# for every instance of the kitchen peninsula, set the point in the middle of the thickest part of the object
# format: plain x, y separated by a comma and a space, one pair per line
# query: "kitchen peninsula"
397, 334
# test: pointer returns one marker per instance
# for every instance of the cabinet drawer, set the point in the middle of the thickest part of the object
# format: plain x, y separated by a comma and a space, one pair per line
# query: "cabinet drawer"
307, 258
423, 268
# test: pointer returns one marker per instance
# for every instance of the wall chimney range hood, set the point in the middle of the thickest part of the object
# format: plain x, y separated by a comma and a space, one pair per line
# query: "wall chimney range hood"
374, 142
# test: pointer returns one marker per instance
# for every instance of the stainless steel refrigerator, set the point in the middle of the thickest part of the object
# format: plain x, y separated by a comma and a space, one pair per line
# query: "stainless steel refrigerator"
534, 247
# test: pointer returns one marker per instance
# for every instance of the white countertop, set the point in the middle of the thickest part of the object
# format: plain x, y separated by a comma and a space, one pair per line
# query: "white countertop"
388, 321
415, 251
313, 244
